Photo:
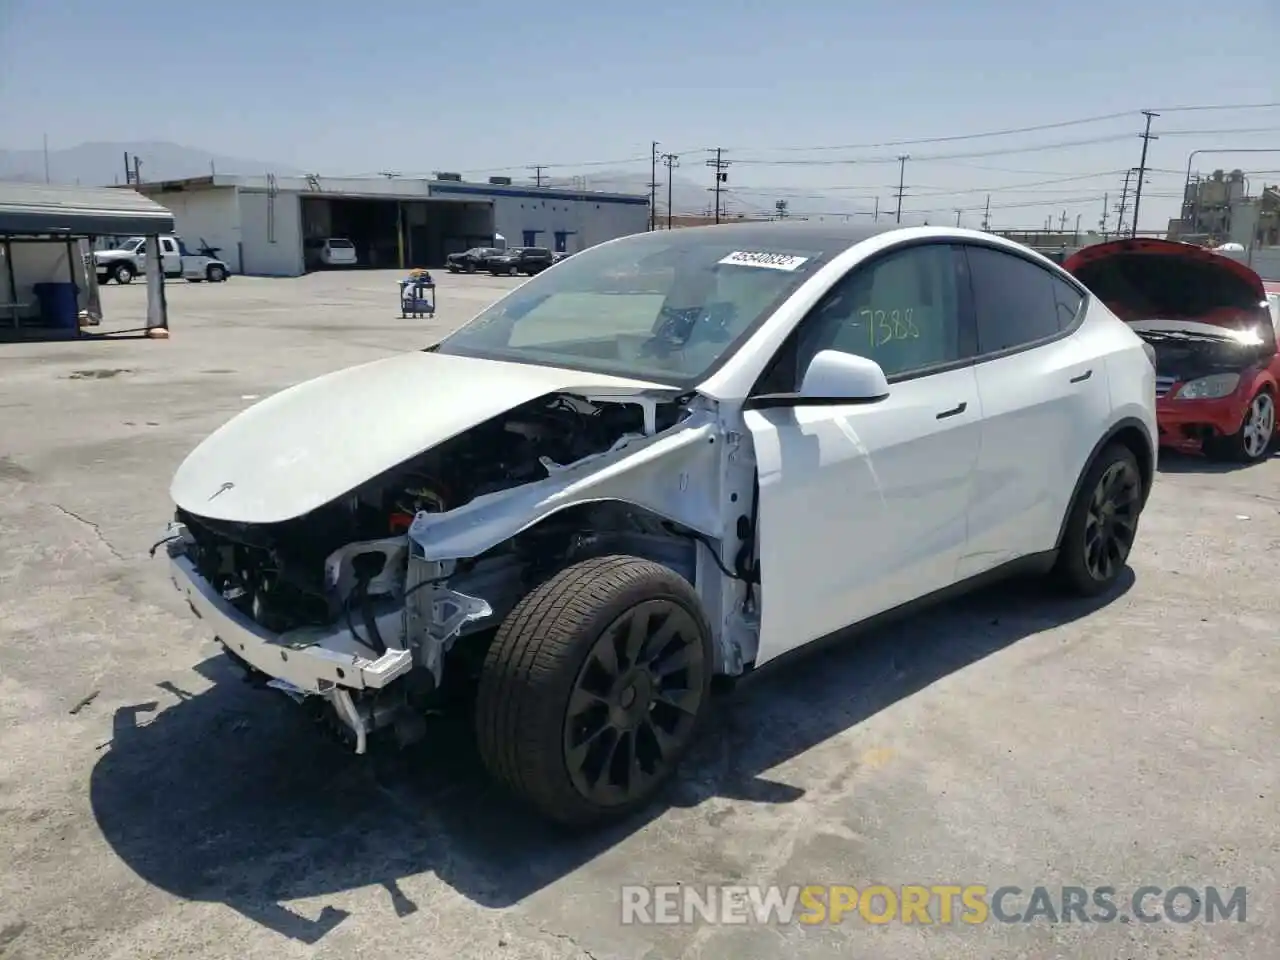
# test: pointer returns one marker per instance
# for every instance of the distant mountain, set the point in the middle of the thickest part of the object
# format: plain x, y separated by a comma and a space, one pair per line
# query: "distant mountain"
93, 164
689, 196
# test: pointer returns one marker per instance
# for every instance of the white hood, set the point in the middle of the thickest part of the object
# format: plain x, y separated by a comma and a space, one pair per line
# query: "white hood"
313, 442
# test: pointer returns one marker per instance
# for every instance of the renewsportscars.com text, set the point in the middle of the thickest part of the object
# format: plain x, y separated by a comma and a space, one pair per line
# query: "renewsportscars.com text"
919, 904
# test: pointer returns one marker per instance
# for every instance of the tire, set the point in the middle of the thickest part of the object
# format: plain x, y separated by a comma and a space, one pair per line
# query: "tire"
1252, 441
1102, 523
513, 272
544, 678
122, 273
452, 269
215, 273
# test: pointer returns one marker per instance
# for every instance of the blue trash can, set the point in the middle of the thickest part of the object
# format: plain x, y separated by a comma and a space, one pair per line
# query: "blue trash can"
59, 305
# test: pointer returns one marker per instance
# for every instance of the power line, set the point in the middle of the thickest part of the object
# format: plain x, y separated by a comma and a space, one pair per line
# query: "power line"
1012, 131
1004, 151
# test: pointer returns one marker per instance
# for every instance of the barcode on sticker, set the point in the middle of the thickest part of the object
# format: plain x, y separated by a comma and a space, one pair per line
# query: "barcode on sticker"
773, 261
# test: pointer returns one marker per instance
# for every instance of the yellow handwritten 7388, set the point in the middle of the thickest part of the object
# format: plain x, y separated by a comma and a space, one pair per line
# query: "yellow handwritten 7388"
886, 325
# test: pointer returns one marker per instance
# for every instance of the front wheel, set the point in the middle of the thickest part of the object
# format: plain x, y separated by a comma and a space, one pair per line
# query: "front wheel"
122, 273
1250, 443
1102, 524
592, 690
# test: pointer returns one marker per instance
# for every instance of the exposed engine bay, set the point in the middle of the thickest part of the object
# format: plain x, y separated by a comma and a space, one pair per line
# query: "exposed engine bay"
347, 571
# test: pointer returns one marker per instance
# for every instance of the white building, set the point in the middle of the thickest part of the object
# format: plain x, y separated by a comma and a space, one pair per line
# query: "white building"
261, 224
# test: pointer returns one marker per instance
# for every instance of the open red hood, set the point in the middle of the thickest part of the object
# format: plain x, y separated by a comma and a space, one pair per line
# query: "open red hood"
1142, 279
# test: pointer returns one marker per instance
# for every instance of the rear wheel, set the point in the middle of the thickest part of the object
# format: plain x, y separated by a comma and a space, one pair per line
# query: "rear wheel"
1102, 524
593, 688
1251, 442
216, 273
513, 272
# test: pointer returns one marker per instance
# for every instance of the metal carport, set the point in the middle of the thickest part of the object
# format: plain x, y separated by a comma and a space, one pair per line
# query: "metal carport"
38, 213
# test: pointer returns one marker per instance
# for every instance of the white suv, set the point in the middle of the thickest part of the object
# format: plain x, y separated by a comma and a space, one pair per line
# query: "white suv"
678, 455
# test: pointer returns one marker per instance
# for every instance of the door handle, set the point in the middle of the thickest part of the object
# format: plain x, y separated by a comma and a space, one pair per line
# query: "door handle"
1083, 377
953, 412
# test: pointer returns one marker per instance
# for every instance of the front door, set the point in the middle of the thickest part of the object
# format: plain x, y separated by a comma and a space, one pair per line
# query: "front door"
169, 256
863, 507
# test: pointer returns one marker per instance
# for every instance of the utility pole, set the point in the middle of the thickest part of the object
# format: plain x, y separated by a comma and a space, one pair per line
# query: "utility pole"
1124, 200
902, 172
958, 212
875, 217
986, 214
670, 161
653, 187
128, 169
721, 167
537, 173
1077, 240
1102, 224
1062, 226
1147, 137
137, 171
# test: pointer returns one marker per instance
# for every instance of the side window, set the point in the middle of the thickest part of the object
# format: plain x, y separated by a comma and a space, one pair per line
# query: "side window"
901, 311
167, 246
1015, 301
1067, 301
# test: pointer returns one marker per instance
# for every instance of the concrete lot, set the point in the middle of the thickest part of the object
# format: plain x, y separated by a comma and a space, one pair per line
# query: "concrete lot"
153, 806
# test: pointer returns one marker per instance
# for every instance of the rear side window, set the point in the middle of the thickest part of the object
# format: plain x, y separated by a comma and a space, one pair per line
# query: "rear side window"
340, 245
1015, 301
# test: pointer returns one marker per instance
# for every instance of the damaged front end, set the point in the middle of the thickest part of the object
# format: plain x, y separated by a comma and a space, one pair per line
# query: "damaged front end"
376, 603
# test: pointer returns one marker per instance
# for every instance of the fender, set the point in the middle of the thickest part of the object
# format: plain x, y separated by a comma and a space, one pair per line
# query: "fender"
1115, 430
664, 475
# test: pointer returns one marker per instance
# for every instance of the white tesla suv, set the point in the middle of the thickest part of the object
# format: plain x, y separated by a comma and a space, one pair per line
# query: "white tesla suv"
677, 455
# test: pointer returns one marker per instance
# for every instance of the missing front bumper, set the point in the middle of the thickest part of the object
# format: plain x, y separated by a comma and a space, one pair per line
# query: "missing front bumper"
312, 660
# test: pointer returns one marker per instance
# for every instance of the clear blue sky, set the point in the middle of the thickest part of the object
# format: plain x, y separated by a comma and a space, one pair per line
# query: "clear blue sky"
343, 87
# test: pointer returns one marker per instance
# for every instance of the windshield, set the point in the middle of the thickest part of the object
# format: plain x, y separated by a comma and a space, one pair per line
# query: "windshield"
132, 244
663, 306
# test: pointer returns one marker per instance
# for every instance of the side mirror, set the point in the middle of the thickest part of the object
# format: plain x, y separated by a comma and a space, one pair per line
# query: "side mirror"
832, 378
835, 375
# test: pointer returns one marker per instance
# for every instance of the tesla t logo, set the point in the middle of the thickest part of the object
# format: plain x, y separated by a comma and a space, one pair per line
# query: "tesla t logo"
221, 490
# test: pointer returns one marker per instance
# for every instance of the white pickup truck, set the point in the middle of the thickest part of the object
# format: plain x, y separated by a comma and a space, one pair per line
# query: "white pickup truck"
129, 260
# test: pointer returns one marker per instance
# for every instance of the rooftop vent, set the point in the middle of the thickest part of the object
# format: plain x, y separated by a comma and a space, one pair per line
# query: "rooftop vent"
456, 177
500, 181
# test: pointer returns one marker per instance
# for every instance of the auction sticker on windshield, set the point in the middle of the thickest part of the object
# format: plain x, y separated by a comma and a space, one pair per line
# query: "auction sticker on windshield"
773, 261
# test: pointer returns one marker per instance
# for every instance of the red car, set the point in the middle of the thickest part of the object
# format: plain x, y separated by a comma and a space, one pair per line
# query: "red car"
1208, 319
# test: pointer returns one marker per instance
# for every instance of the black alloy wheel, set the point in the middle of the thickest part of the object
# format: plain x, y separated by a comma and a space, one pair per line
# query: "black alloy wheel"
1102, 523
1112, 520
635, 702
593, 688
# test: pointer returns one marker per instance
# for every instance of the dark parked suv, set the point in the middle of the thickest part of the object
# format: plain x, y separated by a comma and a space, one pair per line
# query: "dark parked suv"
528, 260
469, 261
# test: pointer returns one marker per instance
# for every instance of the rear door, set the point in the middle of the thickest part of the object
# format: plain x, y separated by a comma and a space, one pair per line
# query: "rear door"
1043, 385
863, 506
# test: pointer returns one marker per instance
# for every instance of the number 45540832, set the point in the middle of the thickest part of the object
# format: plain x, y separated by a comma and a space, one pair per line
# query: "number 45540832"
884, 326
